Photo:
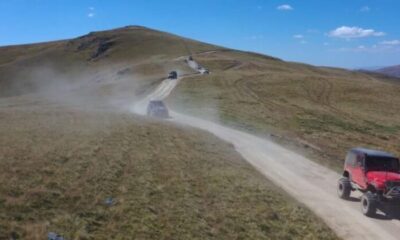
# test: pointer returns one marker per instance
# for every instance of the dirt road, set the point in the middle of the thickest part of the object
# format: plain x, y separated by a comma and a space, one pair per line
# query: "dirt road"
308, 182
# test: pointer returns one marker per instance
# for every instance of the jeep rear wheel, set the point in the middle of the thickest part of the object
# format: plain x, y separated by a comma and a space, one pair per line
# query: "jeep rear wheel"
369, 204
344, 188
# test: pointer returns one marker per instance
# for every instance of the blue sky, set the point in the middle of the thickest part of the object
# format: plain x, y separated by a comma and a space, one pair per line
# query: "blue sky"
344, 33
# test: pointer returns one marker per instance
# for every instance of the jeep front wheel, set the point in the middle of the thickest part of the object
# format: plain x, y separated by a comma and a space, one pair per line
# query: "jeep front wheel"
344, 188
369, 204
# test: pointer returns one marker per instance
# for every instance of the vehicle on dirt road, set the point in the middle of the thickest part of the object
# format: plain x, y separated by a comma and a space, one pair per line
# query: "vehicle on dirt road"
173, 75
204, 71
157, 108
375, 173
189, 59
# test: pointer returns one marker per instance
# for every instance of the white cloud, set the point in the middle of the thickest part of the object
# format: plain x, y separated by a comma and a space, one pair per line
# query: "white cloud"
255, 37
354, 49
365, 9
354, 32
91, 13
285, 7
298, 36
369, 49
392, 42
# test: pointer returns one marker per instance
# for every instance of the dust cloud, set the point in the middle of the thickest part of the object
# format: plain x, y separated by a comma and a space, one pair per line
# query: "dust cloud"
104, 87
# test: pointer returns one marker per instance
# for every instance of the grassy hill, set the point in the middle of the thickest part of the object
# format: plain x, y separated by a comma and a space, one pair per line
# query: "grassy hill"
390, 71
60, 165
67, 146
319, 111
99, 57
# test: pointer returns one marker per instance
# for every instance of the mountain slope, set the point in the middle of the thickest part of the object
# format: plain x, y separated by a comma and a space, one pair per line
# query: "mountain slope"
393, 71
321, 112
93, 57
61, 164
67, 146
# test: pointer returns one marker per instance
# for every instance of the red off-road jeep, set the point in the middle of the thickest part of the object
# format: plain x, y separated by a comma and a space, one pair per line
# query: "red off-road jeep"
375, 173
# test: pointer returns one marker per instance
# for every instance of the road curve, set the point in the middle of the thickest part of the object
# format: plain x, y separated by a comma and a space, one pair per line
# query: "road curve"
308, 182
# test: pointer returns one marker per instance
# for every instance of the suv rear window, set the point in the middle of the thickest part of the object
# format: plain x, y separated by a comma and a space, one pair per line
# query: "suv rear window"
382, 164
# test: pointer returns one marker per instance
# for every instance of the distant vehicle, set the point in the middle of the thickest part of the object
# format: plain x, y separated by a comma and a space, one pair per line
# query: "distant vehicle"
203, 70
375, 173
173, 75
189, 59
157, 108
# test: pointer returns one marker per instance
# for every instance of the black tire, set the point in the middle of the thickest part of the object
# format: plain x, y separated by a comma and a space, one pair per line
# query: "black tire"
369, 203
344, 188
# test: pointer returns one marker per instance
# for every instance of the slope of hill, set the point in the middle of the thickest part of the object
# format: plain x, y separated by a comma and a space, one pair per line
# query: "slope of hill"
74, 163
100, 57
393, 71
321, 112
60, 164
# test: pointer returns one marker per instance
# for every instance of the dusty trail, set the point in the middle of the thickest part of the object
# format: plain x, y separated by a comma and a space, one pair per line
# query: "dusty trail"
308, 182
161, 92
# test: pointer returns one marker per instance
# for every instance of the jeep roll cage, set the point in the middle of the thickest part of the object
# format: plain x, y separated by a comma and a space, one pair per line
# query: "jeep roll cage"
372, 160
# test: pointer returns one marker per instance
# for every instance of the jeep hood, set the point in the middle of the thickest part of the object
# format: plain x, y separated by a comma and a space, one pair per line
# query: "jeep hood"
378, 178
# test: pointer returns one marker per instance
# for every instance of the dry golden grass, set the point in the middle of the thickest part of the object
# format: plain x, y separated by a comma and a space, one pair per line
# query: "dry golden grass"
62, 160
60, 163
26, 68
324, 110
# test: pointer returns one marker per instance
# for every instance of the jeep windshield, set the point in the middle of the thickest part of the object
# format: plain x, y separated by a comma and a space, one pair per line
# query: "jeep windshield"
382, 164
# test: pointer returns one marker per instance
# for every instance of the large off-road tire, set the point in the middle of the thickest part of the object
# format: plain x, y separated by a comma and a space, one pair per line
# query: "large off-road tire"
369, 203
344, 188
